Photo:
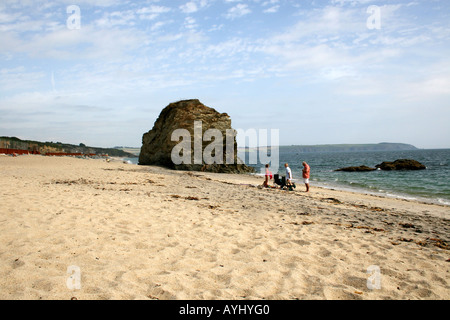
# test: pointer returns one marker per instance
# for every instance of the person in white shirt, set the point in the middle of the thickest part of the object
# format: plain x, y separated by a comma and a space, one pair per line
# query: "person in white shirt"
288, 174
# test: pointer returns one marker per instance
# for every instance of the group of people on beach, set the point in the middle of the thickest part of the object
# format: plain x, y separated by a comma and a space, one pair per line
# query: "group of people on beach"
289, 178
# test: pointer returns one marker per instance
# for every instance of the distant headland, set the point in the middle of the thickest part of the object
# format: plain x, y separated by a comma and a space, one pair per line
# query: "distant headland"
120, 151
383, 146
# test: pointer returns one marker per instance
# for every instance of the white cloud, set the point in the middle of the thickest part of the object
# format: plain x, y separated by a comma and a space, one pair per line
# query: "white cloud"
433, 86
88, 3
194, 6
272, 9
18, 78
153, 9
159, 24
352, 2
117, 18
238, 11
89, 43
338, 72
8, 18
189, 7
190, 23
152, 12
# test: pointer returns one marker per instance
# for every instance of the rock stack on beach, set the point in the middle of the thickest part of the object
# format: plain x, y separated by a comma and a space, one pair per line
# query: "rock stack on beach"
195, 119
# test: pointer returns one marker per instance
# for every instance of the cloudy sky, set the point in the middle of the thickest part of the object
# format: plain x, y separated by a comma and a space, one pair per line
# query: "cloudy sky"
320, 71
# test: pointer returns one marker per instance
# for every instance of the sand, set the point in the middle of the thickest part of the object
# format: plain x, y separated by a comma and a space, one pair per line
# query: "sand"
124, 231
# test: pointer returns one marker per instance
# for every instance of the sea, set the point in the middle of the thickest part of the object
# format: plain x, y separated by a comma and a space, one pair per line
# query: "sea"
431, 185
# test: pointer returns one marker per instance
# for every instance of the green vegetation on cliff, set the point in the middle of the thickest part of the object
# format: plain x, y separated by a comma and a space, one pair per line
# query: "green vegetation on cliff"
55, 147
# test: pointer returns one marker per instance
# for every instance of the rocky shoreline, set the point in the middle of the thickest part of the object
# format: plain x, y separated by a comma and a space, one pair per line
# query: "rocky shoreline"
400, 164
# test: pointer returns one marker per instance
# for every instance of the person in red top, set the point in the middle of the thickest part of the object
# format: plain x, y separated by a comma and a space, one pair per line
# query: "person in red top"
268, 176
306, 171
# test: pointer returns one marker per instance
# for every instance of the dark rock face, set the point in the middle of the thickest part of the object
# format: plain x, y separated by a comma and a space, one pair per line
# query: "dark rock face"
401, 164
158, 145
357, 169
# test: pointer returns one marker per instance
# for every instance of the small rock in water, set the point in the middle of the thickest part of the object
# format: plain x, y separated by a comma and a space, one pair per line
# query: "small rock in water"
357, 169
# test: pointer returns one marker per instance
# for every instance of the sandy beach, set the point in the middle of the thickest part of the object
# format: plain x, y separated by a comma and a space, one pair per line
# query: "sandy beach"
145, 232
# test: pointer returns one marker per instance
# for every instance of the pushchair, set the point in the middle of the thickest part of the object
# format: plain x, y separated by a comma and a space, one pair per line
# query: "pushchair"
282, 182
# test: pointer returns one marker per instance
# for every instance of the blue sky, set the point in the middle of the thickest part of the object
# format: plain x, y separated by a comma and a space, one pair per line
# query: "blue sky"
320, 71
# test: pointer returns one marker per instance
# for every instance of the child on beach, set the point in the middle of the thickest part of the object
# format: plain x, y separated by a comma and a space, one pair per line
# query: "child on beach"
267, 176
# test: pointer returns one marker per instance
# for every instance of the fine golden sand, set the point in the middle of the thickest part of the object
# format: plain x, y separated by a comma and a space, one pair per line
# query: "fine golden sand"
135, 232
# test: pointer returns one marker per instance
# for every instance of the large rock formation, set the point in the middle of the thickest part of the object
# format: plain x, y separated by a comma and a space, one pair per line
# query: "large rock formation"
179, 133
401, 164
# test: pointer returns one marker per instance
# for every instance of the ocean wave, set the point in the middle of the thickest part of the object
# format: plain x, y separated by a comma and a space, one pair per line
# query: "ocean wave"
444, 201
